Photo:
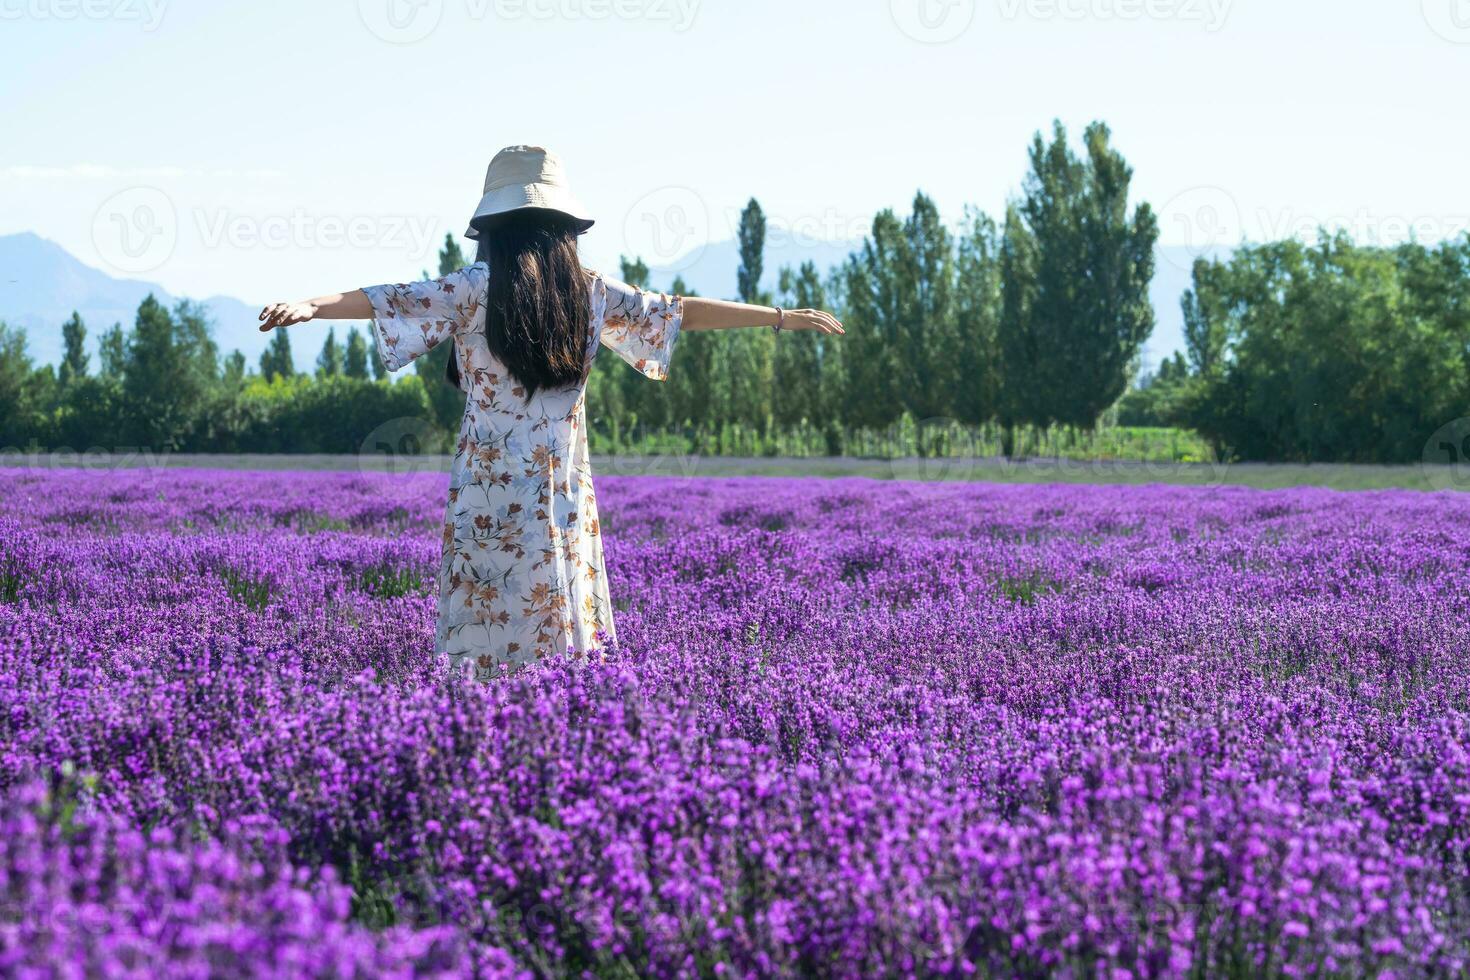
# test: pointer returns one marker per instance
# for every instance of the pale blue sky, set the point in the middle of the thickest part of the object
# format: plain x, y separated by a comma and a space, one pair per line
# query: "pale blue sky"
210, 126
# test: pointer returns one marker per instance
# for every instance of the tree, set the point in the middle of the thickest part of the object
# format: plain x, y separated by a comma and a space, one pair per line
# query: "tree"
796, 390
1077, 270
447, 400
922, 282
877, 302
687, 394
867, 396
21, 391
1020, 397
74, 359
329, 361
112, 352
633, 271
752, 234
977, 313
168, 371
276, 360
234, 373
747, 356
200, 354
1155, 400
1331, 351
355, 359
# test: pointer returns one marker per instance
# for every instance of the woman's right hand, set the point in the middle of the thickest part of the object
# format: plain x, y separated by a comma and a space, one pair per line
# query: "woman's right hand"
285, 314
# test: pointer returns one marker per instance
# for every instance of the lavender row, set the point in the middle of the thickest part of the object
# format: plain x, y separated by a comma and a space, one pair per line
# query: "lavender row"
852, 728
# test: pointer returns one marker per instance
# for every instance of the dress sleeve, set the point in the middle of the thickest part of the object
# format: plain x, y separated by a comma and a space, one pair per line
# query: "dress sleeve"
412, 318
641, 326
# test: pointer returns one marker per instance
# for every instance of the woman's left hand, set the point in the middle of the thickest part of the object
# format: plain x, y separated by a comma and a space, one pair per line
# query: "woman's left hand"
818, 320
285, 314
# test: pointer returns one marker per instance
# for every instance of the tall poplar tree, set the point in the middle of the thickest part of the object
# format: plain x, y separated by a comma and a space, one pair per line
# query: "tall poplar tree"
329, 361
977, 312
276, 360
748, 354
355, 358
74, 358
1077, 268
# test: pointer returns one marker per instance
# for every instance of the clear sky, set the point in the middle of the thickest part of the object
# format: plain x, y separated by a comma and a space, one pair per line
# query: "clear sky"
278, 149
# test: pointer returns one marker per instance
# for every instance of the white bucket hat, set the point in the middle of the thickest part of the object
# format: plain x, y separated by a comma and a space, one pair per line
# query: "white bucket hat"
527, 177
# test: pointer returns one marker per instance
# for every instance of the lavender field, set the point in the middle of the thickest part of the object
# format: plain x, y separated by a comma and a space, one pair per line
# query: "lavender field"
852, 729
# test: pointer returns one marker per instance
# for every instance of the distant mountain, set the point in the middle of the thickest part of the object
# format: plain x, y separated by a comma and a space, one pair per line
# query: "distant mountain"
711, 271
41, 284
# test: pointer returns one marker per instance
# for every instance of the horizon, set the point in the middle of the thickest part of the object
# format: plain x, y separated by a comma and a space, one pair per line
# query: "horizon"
228, 313
324, 161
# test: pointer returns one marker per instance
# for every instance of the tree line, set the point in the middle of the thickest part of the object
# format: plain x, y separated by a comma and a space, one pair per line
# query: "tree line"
1319, 351
1034, 322
991, 333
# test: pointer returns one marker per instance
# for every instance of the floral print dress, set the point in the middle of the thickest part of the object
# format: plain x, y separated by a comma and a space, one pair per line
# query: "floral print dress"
522, 576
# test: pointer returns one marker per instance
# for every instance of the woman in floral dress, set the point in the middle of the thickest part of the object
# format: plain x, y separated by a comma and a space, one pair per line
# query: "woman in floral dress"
522, 575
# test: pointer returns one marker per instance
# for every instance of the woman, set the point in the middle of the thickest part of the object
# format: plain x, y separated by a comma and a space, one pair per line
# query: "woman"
522, 575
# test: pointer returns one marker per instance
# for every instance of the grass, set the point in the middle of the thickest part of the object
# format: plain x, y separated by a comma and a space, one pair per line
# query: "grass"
1339, 476
390, 581
253, 593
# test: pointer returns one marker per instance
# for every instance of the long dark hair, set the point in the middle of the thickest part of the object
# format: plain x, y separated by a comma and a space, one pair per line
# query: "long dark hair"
536, 303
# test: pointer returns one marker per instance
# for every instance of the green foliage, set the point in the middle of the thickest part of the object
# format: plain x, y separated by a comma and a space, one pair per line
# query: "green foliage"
355, 358
904, 439
276, 360
1076, 270
74, 359
316, 415
1016, 339
633, 271
330, 362
112, 352
752, 234
1025, 589
252, 593
170, 365
234, 368
977, 312
1332, 351
89, 415
22, 391
391, 581
1158, 398
797, 393
921, 307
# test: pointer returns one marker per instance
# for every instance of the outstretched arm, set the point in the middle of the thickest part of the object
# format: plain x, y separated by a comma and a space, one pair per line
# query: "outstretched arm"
337, 306
718, 314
